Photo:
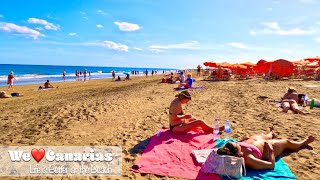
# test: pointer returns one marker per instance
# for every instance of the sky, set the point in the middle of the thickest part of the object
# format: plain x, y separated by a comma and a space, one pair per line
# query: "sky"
156, 33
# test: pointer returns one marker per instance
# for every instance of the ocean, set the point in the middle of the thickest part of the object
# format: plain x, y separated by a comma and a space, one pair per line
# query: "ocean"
38, 74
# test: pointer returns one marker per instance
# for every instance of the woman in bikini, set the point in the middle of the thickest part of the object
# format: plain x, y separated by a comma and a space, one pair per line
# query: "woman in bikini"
260, 151
181, 123
290, 101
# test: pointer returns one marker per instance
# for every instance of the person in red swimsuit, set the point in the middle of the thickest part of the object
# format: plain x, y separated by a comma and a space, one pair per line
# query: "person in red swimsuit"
260, 151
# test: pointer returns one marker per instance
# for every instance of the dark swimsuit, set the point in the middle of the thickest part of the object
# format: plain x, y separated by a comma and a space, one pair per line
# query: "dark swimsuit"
173, 126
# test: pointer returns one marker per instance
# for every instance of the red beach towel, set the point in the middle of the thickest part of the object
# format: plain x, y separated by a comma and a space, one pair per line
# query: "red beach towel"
171, 155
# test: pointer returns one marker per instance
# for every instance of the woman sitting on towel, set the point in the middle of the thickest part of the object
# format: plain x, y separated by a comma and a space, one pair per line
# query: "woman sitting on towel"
259, 151
181, 123
290, 101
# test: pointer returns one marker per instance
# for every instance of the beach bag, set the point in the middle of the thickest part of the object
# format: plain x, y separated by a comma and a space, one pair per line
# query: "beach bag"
230, 166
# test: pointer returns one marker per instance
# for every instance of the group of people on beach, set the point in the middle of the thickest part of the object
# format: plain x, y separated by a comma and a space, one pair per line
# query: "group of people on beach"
79, 74
259, 151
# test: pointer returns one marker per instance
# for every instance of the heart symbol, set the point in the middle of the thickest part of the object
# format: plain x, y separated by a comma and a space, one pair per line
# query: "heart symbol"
37, 154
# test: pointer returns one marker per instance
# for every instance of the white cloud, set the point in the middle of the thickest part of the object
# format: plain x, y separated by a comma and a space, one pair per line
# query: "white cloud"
138, 49
23, 30
269, 9
238, 45
99, 26
125, 26
307, 1
188, 45
156, 50
101, 12
39, 28
47, 25
253, 33
115, 46
84, 15
274, 28
1, 16
72, 34
317, 39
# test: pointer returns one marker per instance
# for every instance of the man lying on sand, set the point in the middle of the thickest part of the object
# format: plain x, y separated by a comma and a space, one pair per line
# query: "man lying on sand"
259, 151
181, 123
290, 101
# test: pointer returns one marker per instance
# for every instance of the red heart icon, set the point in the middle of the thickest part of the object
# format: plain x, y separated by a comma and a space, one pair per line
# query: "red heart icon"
37, 154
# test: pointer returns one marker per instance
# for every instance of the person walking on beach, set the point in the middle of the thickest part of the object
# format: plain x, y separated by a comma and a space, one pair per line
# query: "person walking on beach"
113, 75
64, 75
85, 75
181, 123
10, 80
152, 72
198, 70
146, 73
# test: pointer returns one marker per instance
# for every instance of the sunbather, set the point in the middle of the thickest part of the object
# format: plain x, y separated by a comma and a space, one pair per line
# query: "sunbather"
47, 85
181, 123
290, 101
260, 151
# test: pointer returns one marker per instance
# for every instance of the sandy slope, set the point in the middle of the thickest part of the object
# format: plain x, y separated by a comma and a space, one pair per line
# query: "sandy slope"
102, 112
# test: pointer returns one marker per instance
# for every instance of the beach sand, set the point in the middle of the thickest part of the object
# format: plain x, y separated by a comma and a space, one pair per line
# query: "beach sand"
105, 113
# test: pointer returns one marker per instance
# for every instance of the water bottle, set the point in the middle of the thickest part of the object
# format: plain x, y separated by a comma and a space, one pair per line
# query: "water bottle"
306, 98
312, 104
227, 129
216, 129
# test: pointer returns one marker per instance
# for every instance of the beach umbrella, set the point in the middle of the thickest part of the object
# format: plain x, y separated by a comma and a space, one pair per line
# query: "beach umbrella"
282, 67
248, 64
210, 64
313, 65
263, 66
313, 59
240, 66
224, 64
300, 62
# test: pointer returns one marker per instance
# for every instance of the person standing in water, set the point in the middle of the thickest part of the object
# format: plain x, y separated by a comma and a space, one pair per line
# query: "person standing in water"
64, 75
113, 75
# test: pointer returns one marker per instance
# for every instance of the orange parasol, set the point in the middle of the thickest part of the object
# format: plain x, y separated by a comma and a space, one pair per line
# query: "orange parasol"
248, 64
224, 64
300, 62
240, 66
312, 59
282, 67
210, 64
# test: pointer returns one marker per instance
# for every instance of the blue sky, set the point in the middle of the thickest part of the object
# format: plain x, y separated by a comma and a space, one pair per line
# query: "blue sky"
156, 33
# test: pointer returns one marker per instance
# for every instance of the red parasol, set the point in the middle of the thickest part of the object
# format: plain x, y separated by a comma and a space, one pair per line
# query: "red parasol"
282, 67
210, 64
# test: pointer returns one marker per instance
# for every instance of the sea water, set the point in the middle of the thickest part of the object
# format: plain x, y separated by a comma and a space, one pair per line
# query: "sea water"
38, 74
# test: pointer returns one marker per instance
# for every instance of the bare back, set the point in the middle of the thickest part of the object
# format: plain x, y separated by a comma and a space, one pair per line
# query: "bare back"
175, 110
293, 96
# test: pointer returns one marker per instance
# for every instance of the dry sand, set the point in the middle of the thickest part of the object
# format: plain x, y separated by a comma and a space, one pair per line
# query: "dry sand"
101, 112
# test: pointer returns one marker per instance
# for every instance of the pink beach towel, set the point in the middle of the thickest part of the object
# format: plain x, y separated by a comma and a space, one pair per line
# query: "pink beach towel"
168, 154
